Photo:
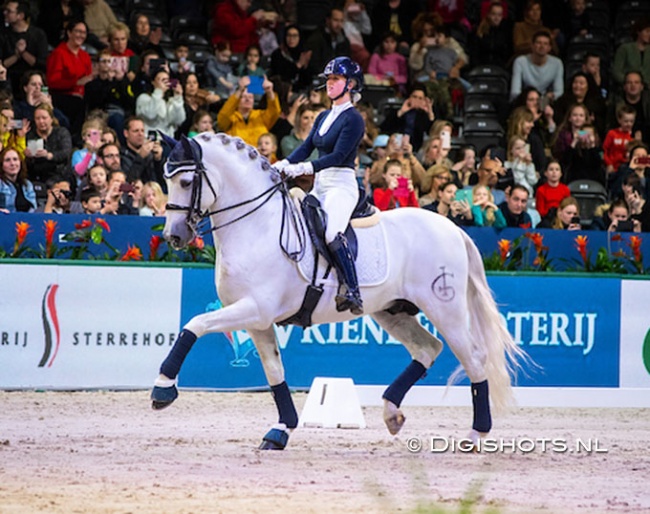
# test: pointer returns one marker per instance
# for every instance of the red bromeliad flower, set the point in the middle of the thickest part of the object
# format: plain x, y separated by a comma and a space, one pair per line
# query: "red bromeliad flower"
154, 245
22, 228
198, 243
50, 229
635, 246
83, 225
617, 237
537, 240
581, 245
102, 223
132, 253
504, 249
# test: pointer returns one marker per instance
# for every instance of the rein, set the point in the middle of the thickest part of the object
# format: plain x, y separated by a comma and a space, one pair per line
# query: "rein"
195, 214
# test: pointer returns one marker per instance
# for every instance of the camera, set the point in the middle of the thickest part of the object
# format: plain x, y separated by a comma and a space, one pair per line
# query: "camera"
66, 193
625, 226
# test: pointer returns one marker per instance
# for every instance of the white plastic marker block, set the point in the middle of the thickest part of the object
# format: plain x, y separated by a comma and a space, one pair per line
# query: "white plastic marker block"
332, 403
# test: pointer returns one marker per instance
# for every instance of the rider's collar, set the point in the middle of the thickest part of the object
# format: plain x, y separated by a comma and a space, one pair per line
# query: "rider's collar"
338, 109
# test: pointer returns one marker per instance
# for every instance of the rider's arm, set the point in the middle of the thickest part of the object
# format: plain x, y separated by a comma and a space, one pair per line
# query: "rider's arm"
347, 143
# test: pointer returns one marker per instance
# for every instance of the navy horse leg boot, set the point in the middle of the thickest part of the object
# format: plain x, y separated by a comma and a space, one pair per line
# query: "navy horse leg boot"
348, 296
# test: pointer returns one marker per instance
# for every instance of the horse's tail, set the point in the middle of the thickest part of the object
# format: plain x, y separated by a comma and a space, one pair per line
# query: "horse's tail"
489, 332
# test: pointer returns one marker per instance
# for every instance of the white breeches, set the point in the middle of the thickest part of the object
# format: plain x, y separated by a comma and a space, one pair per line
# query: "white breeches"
338, 192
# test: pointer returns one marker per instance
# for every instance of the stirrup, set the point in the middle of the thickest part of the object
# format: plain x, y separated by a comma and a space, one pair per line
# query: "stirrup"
346, 300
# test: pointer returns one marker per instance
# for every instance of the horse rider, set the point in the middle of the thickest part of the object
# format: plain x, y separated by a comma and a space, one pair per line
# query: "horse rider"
336, 134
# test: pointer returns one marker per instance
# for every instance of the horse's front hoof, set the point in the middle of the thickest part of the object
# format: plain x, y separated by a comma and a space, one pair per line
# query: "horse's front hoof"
162, 397
275, 439
476, 438
393, 418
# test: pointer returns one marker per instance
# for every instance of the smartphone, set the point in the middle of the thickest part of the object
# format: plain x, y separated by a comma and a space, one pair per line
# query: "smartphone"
402, 188
156, 64
583, 133
45, 90
445, 139
95, 137
575, 220
173, 83
152, 135
527, 148
625, 226
398, 140
464, 195
125, 187
16, 124
643, 160
255, 87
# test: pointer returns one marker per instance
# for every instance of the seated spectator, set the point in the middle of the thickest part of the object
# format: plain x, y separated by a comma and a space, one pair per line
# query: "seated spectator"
583, 91
54, 16
141, 82
161, 110
551, 192
566, 217
91, 201
119, 196
441, 61
639, 206
591, 66
521, 163
183, 66
613, 214
238, 118
69, 69
302, 126
489, 172
60, 197
109, 136
638, 166
52, 158
538, 69
327, 42
523, 35
522, 124
387, 66
465, 166
98, 17
118, 41
24, 45
458, 211
155, 201
484, 211
577, 147
414, 117
195, 99
251, 63
431, 153
98, 180
232, 23
514, 208
577, 23
544, 124
202, 121
86, 157
35, 93
289, 61
400, 148
637, 97
141, 157
617, 140
492, 43
11, 136
424, 37
143, 37
396, 191
395, 15
437, 176
16, 191
633, 56
372, 130
218, 71
109, 157
356, 25
267, 146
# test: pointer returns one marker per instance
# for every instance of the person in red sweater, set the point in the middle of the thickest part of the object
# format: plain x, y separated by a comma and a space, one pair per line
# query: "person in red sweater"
234, 25
69, 69
552, 192
397, 191
616, 140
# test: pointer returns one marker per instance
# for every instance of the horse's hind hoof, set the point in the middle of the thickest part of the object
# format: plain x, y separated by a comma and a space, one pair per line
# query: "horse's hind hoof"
393, 417
275, 439
162, 397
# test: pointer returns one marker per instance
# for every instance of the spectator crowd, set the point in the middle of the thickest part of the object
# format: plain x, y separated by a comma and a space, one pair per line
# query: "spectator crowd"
491, 113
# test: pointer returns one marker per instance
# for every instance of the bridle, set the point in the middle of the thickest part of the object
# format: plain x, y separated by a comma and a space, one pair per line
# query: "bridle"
195, 214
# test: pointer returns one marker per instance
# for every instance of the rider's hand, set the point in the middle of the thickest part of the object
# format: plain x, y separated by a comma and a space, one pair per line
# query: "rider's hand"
280, 165
302, 168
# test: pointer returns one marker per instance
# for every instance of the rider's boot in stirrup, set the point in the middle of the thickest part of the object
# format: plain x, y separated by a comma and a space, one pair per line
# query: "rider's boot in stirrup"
348, 297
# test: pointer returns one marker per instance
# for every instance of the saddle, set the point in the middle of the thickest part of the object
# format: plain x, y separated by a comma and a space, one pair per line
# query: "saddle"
316, 222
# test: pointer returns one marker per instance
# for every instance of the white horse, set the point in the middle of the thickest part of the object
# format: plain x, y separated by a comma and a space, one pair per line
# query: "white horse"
256, 227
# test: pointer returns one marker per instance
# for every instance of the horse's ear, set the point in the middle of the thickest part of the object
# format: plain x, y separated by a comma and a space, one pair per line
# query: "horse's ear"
195, 150
167, 140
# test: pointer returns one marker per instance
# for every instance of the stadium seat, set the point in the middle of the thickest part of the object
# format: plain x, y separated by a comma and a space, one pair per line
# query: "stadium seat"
182, 24
479, 107
192, 39
481, 132
375, 94
589, 194
136, 5
487, 71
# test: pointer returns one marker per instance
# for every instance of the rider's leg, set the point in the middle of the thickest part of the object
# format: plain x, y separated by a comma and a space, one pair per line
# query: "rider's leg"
338, 193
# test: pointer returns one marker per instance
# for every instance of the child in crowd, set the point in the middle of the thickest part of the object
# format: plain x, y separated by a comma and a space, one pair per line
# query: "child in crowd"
201, 122
484, 211
153, 200
267, 145
251, 65
83, 159
97, 179
91, 200
553, 191
397, 190
520, 162
183, 66
387, 65
218, 71
616, 140
465, 166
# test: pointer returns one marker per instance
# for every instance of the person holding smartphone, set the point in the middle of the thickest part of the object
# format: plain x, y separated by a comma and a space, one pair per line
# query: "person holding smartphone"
336, 134
85, 158
163, 109
397, 190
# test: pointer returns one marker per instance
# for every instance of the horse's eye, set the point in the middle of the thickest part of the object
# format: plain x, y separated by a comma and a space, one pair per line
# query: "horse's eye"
186, 182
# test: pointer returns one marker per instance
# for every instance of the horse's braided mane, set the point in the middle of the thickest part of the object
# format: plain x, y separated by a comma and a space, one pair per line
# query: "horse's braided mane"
239, 145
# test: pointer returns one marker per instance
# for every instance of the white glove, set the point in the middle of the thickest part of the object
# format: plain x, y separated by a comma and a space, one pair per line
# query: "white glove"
280, 165
302, 168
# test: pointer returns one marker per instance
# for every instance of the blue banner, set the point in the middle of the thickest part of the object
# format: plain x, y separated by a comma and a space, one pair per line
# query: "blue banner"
573, 339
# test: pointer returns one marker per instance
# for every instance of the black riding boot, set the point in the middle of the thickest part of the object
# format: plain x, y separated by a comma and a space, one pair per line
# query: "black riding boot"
348, 296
